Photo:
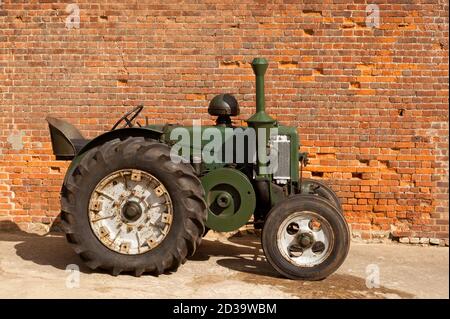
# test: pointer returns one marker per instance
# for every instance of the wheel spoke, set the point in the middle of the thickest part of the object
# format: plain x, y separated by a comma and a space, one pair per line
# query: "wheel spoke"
320, 236
117, 236
125, 181
105, 194
158, 205
102, 218
138, 242
288, 239
308, 255
304, 224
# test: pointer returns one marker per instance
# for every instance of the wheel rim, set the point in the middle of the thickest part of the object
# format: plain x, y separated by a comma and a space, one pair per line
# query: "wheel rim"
130, 211
305, 239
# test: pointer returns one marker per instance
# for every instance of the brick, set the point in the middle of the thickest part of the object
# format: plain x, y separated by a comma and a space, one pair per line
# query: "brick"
434, 241
371, 105
404, 240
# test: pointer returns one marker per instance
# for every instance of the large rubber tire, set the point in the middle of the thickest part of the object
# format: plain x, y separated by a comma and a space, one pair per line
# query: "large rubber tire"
319, 188
322, 207
184, 188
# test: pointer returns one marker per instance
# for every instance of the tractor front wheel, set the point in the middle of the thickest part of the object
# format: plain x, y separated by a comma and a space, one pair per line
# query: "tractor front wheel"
319, 188
305, 237
128, 207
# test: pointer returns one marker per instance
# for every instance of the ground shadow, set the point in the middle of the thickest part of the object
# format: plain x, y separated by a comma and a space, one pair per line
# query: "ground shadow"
240, 253
244, 255
53, 250
49, 250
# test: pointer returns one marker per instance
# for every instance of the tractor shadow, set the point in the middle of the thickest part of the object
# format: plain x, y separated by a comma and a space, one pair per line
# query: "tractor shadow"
50, 249
242, 253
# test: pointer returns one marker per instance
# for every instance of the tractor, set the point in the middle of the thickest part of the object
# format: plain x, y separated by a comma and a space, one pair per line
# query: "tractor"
139, 198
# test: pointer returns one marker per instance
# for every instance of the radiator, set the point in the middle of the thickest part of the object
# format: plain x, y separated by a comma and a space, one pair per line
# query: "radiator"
282, 146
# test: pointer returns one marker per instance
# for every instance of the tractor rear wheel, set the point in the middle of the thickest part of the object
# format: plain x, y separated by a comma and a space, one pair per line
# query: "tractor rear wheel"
305, 237
128, 207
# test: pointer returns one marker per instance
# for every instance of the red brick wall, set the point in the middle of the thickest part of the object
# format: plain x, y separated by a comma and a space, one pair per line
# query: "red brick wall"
371, 104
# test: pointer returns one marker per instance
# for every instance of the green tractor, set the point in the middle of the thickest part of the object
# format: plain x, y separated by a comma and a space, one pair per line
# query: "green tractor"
139, 198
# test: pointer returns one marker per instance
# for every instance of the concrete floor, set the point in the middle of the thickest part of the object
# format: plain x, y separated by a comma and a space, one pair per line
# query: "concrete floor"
33, 266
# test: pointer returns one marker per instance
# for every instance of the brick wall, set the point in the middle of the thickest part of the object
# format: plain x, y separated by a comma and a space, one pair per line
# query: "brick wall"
371, 103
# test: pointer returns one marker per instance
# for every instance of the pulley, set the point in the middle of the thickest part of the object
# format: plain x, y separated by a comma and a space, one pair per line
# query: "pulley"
230, 199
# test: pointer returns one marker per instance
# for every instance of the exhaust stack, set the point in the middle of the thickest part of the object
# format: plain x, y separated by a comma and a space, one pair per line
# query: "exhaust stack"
261, 122
260, 118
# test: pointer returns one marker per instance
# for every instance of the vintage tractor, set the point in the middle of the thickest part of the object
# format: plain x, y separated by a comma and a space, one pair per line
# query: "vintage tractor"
139, 198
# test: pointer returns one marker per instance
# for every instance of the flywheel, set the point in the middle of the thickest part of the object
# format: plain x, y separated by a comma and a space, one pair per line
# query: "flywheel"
230, 199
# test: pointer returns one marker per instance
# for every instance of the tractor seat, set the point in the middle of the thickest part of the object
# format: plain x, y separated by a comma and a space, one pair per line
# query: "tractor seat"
66, 139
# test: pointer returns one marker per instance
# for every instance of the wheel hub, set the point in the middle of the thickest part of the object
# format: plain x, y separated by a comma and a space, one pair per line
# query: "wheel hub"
305, 239
130, 211
224, 200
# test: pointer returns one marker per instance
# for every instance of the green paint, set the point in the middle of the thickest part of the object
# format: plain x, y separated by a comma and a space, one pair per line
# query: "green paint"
236, 188
229, 192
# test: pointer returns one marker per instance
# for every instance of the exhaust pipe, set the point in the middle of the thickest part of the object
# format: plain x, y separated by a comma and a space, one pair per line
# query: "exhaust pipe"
261, 120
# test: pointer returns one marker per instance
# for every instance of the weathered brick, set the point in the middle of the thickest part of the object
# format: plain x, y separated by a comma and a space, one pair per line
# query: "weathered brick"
371, 105
434, 241
404, 240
